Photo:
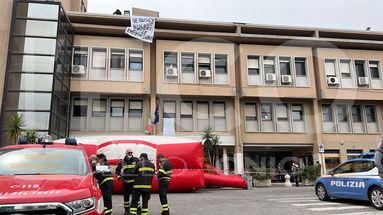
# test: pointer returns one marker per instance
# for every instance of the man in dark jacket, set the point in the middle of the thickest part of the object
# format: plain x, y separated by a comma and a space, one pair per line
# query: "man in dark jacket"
379, 160
163, 175
142, 184
127, 175
105, 181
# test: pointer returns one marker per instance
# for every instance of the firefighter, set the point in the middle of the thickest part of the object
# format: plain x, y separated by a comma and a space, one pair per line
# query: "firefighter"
142, 185
127, 165
163, 175
105, 181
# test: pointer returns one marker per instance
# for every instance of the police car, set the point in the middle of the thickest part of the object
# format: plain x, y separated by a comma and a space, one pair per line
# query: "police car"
354, 179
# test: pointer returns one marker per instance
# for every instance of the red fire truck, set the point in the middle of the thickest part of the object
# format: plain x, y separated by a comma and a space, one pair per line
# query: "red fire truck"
47, 179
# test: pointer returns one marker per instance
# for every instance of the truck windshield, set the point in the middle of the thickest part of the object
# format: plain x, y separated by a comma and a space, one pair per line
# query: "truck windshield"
43, 161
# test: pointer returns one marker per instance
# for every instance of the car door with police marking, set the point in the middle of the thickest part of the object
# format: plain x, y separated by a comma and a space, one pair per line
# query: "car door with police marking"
337, 181
357, 180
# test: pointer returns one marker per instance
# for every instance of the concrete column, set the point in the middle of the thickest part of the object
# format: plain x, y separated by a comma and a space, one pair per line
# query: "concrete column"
238, 149
218, 163
239, 163
225, 162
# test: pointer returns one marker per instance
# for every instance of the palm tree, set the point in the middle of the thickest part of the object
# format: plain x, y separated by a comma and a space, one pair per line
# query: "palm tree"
15, 126
31, 135
210, 145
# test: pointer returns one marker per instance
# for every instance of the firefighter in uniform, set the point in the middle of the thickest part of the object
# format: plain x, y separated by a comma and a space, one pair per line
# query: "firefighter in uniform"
163, 175
127, 165
142, 185
106, 183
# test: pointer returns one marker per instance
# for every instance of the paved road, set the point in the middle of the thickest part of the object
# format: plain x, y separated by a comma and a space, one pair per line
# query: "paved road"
259, 201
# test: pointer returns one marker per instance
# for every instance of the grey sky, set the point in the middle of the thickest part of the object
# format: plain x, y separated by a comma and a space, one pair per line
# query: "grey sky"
342, 14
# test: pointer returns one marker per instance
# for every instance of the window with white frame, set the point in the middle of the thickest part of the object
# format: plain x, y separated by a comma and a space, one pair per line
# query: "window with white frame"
188, 67
99, 108
219, 116
171, 67
80, 58
202, 115
204, 69
301, 75
80, 107
283, 124
254, 77
327, 118
285, 70
376, 79
136, 66
79, 113
267, 117
117, 107
331, 73
359, 68
251, 117
343, 118
330, 67
345, 73
357, 123
298, 118
269, 70
221, 69
98, 66
371, 119
186, 116
117, 64
135, 115
170, 111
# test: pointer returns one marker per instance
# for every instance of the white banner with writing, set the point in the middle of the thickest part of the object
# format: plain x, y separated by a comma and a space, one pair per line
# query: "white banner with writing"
142, 28
168, 127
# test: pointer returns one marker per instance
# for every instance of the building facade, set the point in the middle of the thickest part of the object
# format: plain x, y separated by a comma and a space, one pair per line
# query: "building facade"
271, 93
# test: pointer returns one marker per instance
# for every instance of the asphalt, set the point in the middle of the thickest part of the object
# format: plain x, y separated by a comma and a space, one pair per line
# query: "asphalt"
268, 201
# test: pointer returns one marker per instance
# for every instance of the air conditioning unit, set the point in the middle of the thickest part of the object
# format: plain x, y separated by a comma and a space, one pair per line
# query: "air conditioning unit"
204, 73
78, 70
332, 81
362, 81
171, 72
286, 79
270, 77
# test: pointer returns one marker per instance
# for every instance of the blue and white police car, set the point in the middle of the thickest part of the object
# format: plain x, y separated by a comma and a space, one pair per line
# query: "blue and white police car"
354, 179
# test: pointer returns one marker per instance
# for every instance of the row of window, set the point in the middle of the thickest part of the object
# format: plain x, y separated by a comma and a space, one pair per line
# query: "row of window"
277, 71
107, 114
349, 73
345, 118
108, 64
274, 117
190, 67
196, 115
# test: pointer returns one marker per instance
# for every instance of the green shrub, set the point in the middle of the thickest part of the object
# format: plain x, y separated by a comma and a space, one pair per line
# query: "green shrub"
311, 172
262, 173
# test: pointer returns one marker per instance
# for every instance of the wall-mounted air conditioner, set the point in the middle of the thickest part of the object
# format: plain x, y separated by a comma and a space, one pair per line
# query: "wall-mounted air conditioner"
362, 81
78, 70
332, 81
270, 77
286, 79
204, 73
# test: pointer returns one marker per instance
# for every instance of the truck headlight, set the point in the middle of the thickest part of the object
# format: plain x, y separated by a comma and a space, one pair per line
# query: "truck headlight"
82, 205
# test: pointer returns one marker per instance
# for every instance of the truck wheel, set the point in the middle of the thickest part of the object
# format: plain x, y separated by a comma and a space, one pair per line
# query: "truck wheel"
376, 197
322, 193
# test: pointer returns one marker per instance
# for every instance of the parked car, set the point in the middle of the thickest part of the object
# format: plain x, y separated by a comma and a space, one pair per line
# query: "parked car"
47, 179
354, 179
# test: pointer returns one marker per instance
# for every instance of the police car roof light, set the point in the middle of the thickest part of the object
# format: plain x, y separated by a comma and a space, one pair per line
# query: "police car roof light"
71, 141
